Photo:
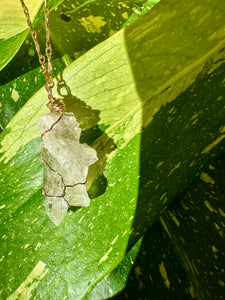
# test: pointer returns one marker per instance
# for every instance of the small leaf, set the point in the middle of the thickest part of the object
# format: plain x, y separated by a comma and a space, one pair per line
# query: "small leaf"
80, 6
140, 11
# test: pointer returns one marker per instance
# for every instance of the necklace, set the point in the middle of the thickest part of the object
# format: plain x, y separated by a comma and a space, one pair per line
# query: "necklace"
66, 161
53, 104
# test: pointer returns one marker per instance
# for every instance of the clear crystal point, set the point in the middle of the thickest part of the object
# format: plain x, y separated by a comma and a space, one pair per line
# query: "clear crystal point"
56, 209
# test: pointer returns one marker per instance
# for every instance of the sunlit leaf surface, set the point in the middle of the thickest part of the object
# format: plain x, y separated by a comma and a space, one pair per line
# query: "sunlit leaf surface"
13, 26
150, 89
9, 10
17, 92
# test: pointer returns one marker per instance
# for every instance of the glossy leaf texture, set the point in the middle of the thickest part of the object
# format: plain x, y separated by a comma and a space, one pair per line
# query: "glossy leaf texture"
163, 122
150, 270
13, 32
18, 91
146, 6
195, 224
182, 255
88, 23
14, 26
70, 32
81, 30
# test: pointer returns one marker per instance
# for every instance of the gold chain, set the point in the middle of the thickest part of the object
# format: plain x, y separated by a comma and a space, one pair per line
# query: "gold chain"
53, 104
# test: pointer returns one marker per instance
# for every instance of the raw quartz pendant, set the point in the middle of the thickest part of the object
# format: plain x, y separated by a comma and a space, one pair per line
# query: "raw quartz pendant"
66, 164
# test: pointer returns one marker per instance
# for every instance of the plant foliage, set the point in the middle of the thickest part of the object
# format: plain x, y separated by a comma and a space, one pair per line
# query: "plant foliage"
150, 100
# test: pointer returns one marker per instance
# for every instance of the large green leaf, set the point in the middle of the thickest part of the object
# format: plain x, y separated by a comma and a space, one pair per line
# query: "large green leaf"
13, 26
76, 28
70, 32
150, 270
13, 20
16, 92
196, 227
129, 84
190, 239
116, 280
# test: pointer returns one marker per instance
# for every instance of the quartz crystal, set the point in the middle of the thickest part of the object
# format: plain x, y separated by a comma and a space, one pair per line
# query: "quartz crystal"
66, 164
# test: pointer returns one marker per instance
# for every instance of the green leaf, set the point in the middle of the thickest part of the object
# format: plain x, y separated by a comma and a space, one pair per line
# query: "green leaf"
88, 24
149, 270
14, 26
17, 92
13, 20
195, 225
190, 238
9, 47
140, 11
69, 35
166, 121
80, 6
116, 280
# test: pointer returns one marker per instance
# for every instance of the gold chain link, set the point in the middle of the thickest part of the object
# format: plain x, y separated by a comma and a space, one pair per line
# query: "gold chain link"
53, 104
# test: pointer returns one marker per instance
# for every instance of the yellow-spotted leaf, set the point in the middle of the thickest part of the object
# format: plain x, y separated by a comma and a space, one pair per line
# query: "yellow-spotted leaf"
151, 102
